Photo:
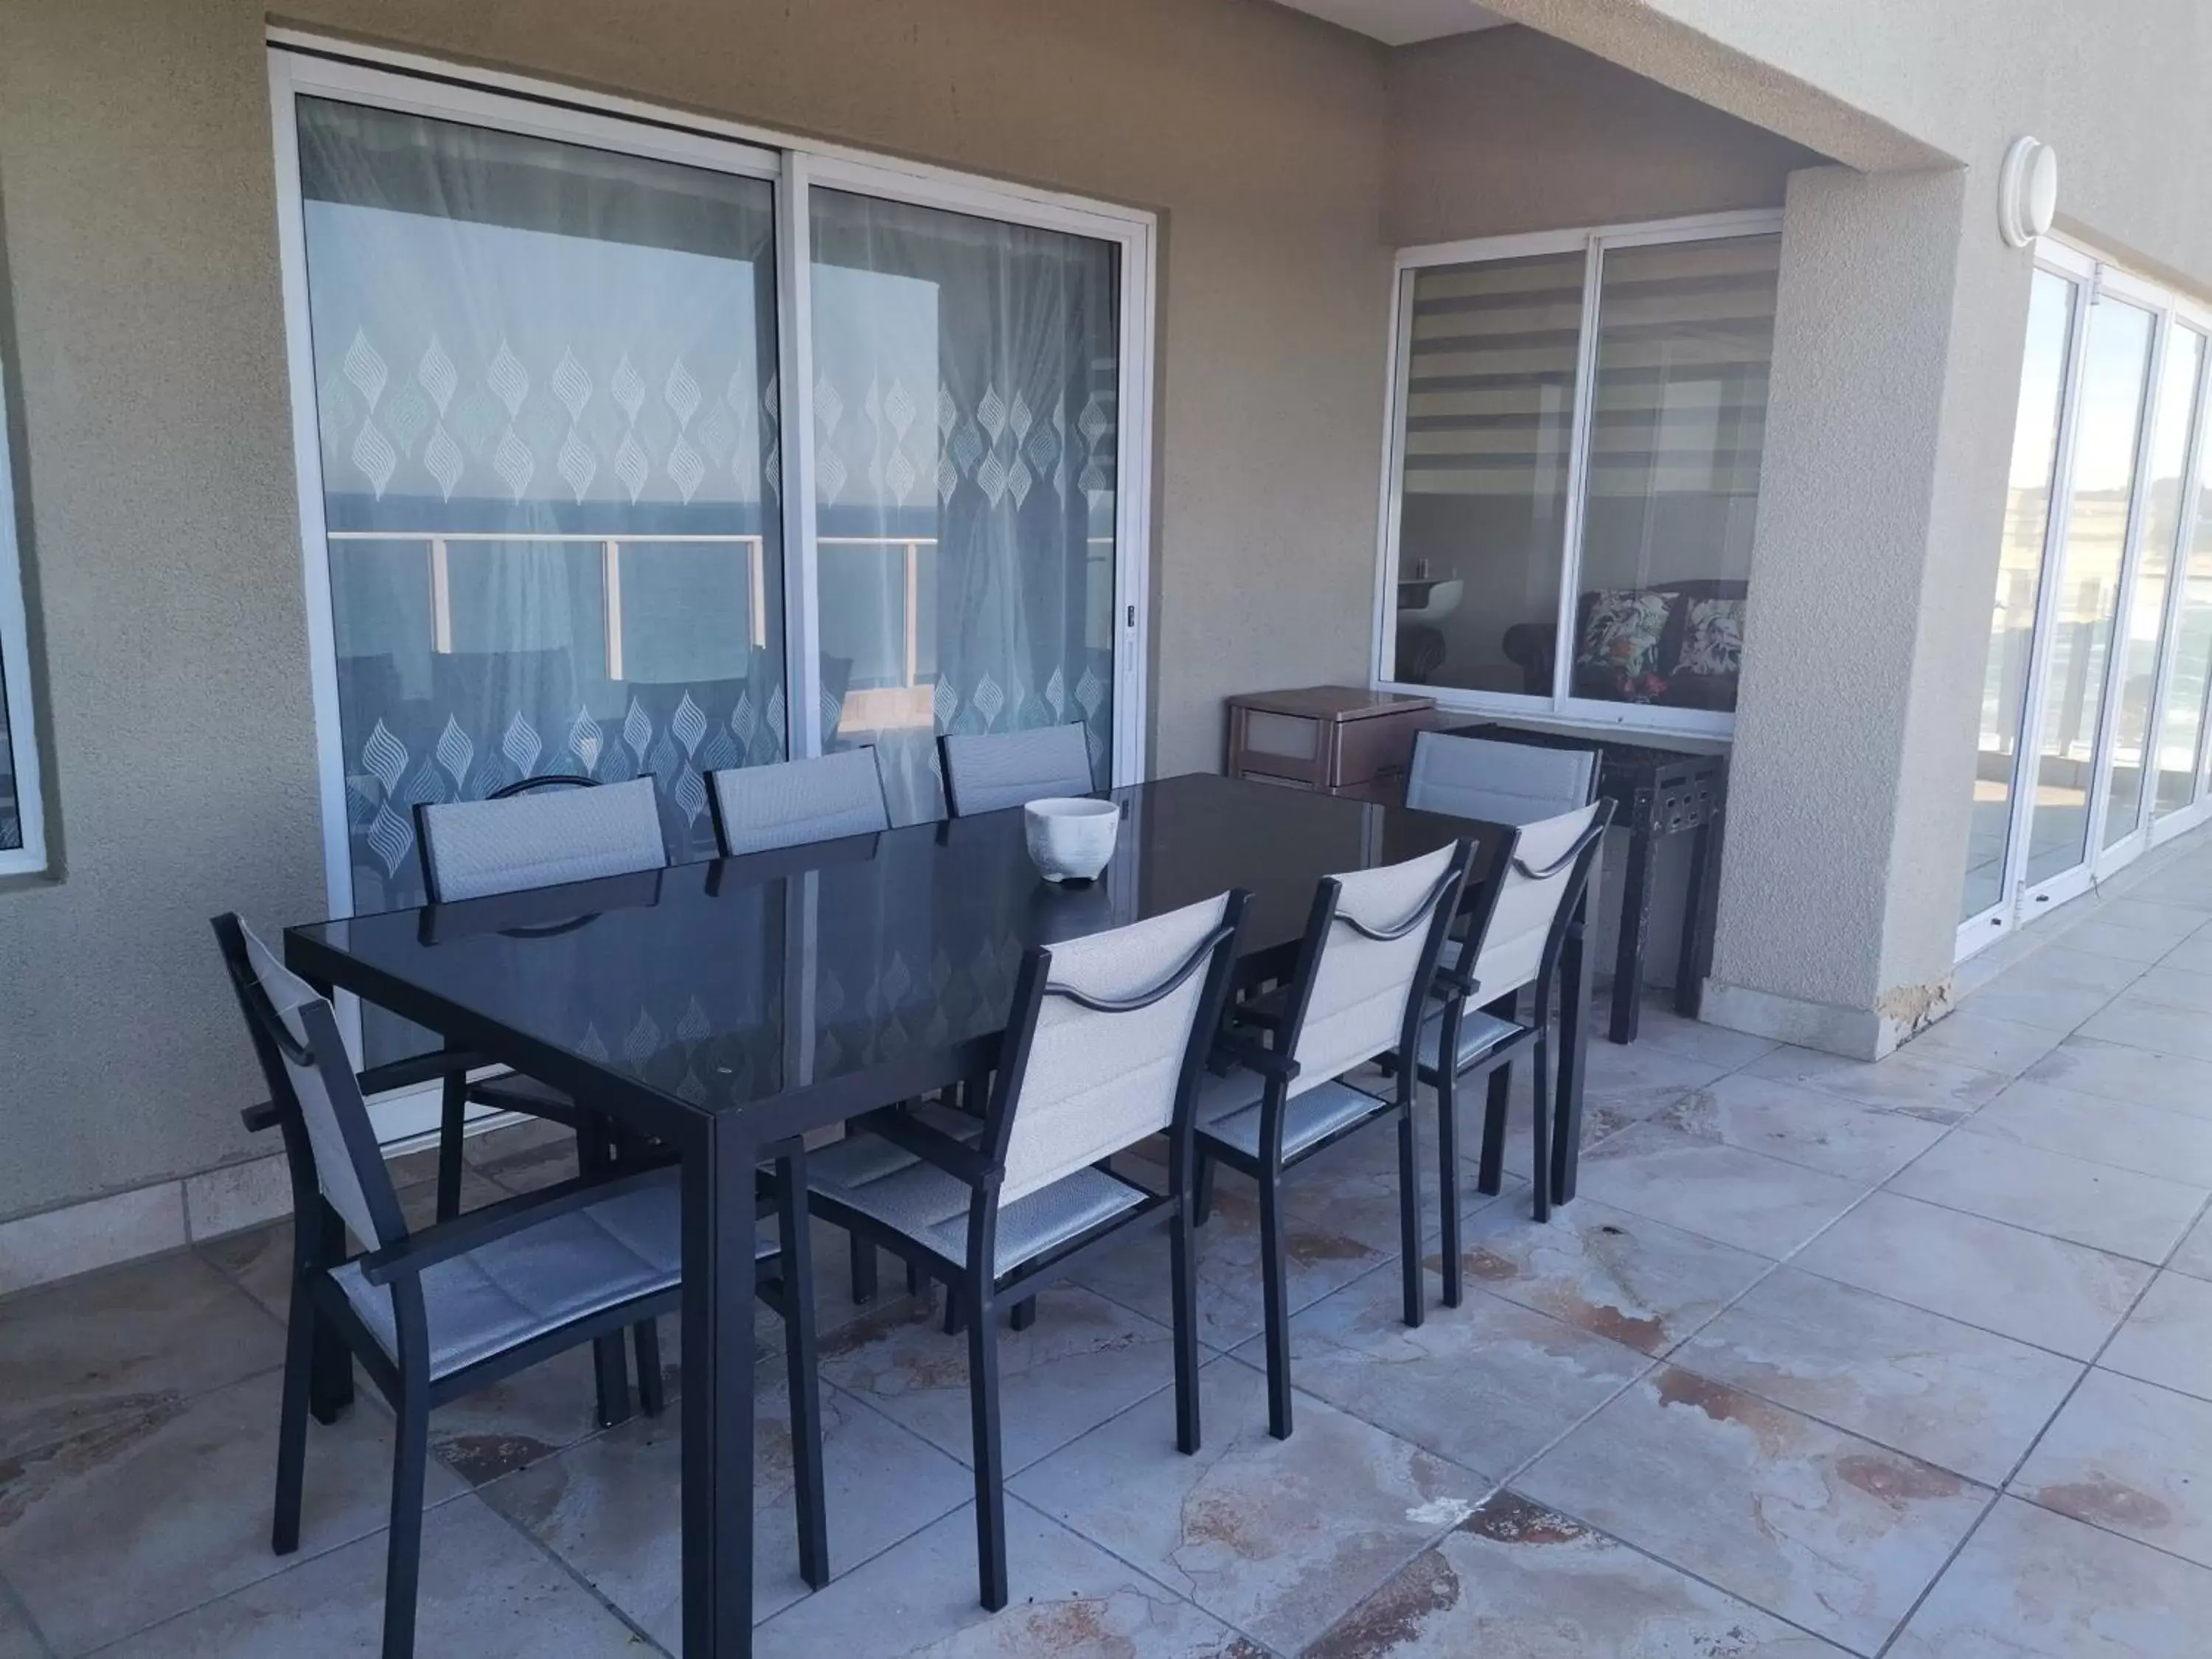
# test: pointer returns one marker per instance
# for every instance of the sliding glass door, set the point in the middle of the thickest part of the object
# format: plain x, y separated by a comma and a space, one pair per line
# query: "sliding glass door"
2092, 703
964, 422
628, 450
2019, 579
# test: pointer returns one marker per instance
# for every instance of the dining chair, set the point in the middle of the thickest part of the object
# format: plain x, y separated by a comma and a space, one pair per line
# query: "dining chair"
1104, 1045
541, 831
430, 1317
986, 771
1526, 901
538, 832
1497, 782
1370, 948
758, 809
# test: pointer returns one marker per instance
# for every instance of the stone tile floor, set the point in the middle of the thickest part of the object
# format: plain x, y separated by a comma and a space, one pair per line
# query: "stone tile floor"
1911, 1359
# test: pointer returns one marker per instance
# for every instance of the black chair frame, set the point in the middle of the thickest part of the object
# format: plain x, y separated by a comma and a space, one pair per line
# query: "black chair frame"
1456, 982
980, 1290
1278, 1070
325, 1338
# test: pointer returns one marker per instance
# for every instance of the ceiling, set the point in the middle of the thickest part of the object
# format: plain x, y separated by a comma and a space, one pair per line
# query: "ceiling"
1401, 22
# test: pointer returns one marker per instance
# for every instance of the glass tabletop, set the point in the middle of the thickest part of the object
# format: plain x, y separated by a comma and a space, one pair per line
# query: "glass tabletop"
726, 984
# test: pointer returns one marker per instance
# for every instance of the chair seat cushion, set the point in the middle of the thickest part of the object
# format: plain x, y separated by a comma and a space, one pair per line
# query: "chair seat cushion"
519, 1287
1309, 1117
931, 1206
1478, 1035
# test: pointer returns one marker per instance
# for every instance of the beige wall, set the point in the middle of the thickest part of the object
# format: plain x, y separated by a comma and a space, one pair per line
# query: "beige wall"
1511, 131
135, 180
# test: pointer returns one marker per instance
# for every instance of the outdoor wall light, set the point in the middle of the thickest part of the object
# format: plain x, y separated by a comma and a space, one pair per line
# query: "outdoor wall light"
2028, 190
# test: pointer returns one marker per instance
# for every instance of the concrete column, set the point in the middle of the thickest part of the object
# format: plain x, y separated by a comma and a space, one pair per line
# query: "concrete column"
1897, 357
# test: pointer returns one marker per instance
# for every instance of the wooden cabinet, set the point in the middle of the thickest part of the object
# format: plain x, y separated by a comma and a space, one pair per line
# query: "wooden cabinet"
1336, 739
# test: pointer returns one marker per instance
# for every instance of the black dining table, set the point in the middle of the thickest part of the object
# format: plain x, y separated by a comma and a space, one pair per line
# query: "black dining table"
725, 1008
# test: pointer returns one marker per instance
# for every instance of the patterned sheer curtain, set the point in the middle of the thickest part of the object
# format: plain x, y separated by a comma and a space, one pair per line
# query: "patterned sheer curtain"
547, 410
964, 413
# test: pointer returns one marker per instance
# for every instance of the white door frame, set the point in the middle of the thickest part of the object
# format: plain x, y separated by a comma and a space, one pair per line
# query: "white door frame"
2018, 904
302, 64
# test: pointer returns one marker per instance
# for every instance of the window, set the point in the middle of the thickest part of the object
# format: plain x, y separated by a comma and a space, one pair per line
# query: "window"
23, 813
628, 451
2093, 696
1577, 428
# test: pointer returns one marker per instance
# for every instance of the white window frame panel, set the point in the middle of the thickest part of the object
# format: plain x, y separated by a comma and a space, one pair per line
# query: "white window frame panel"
1559, 708
305, 63
2018, 904
2156, 830
22, 738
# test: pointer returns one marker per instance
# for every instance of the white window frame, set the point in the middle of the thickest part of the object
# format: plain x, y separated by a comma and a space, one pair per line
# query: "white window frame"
304, 63
1559, 708
2018, 904
22, 738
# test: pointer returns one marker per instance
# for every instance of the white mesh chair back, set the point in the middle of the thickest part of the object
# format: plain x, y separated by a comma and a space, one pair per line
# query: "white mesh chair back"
474, 848
1094, 1082
1362, 986
760, 808
1511, 953
987, 771
1497, 782
341, 1179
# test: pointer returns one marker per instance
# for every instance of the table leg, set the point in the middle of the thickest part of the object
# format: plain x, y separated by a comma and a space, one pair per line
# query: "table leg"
1699, 906
1574, 1049
1635, 929
717, 1393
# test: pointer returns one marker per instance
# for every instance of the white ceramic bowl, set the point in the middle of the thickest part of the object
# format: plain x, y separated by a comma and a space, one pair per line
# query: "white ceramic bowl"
1070, 838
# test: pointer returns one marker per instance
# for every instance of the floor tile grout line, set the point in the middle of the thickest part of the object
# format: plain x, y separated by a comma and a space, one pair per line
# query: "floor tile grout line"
2004, 1488
568, 1569
14, 1602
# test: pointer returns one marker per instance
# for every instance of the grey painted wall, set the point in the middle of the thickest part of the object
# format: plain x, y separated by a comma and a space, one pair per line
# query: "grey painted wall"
135, 159
1511, 131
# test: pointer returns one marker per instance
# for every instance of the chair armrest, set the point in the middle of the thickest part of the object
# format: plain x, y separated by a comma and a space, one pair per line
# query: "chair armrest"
957, 1159
448, 1239
1271, 1063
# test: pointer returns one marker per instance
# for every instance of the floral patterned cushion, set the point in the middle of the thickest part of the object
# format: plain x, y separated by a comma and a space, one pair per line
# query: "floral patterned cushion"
1621, 631
1714, 641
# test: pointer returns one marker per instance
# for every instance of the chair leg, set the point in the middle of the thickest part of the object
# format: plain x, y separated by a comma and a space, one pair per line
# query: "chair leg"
1409, 1219
452, 1113
800, 1361
329, 1372
864, 1284
292, 1421
952, 1310
1274, 1277
404, 1548
914, 1286
990, 1462
1202, 1199
1448, 1248
1025, 1314
609, 1365
1183, 1272
1540, 1078
1490, 1174
652, 1394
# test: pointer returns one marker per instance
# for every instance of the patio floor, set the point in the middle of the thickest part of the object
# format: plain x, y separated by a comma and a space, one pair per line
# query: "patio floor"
1912, 1358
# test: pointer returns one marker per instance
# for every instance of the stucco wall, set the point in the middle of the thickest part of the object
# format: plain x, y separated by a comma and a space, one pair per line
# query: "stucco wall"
134, 172
1511, 131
